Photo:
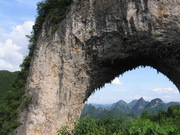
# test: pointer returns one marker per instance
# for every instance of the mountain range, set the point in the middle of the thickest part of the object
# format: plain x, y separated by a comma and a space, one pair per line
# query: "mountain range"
121, 108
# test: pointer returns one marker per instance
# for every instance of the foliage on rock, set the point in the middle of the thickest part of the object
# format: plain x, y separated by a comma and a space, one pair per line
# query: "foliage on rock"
15, 99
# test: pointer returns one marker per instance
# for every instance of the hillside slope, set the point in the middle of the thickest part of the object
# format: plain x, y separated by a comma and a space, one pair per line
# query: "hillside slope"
6, 80
121, 108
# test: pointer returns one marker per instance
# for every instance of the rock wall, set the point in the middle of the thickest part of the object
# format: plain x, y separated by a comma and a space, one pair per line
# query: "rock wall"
97, 41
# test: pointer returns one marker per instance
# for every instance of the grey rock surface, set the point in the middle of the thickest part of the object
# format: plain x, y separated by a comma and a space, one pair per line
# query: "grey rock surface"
97, 41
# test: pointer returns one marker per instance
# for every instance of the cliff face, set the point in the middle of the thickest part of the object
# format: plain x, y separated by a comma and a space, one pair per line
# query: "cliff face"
98, 40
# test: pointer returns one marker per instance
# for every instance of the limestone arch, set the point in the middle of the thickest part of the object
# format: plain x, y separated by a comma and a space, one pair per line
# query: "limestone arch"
98, 40
119, 57
113, 68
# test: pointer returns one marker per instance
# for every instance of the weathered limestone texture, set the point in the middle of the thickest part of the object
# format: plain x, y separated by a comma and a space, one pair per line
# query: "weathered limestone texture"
97, 41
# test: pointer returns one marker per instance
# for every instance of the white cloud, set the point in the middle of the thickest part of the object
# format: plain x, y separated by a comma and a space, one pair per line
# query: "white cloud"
166, 90
13, 46
9, 55
18, 35
8, 48
5, 65
116, 81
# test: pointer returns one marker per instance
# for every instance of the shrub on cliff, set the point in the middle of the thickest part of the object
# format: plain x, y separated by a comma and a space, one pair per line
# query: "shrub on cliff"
14, 99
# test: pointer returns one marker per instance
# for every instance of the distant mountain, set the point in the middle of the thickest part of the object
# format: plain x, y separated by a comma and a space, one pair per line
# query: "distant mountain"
96, 113
116, 110
104, 106
154, 103
172, 103
139, 106
120, 104
121, 108
132, 103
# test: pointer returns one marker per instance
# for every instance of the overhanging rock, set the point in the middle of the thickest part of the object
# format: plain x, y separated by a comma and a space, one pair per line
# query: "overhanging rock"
97, 41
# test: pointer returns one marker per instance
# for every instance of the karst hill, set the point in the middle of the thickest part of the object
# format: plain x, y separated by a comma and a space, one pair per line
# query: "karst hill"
79, 45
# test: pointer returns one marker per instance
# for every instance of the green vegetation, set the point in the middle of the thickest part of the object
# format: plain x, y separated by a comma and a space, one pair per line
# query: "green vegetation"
162, 123
104, 126
14, 98
6, 80
92, 31
10, 102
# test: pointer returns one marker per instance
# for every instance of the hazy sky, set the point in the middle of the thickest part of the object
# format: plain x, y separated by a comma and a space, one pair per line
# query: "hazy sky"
17, 19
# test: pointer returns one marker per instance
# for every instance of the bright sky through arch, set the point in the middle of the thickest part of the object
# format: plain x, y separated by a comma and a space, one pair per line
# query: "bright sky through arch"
141, 82
17, 18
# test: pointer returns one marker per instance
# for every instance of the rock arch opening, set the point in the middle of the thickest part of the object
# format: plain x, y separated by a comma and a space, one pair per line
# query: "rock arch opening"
143, 82
112, 68
132, 93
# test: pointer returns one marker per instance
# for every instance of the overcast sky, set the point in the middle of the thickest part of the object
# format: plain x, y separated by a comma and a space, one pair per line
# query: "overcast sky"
17, 19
